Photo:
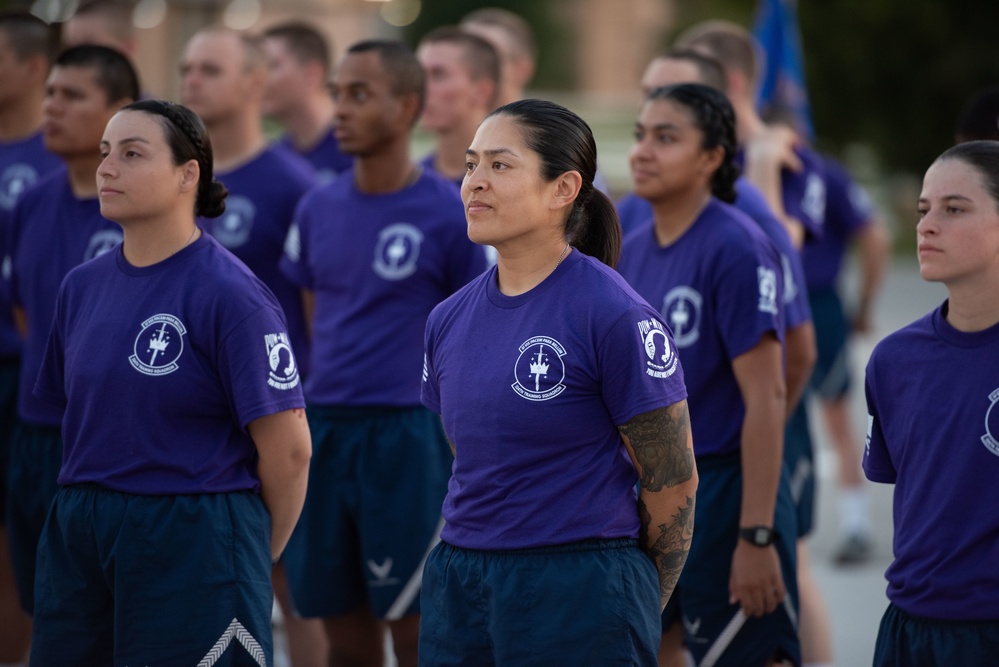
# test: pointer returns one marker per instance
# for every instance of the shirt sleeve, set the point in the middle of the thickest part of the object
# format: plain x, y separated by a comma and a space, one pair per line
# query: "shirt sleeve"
877, 463
749, 295
430, 392
638, 366
294, 262
804, 195
50, 386
258, 368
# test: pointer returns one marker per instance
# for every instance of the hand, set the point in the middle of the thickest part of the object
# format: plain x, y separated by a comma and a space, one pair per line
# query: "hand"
775, 146
756, 583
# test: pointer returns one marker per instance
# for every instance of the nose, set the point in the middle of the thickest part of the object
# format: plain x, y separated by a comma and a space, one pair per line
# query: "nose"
474, 181
106, 168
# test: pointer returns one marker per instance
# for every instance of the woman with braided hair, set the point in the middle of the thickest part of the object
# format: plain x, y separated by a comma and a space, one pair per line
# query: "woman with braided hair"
186, 446
714, 276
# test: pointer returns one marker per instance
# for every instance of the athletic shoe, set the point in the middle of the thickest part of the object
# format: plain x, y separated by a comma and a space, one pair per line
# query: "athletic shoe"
855, 549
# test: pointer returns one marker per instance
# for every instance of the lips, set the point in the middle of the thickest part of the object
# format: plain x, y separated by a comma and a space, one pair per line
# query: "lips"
475, 206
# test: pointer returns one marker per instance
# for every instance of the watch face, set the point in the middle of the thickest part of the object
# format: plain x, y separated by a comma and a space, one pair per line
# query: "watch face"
762, 536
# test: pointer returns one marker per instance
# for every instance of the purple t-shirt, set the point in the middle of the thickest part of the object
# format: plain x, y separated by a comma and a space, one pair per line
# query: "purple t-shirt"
325, 157
804, 192
22, 163
158, 394
634, 211
428, 163
377, 265
263, 194
718, 288
51, 233
531, 389
848, 210
933, 431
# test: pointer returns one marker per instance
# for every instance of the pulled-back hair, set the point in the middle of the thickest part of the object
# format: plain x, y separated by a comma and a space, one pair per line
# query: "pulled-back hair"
983, 157
564, 142
188, 140
714, 117
400, 63
113, 72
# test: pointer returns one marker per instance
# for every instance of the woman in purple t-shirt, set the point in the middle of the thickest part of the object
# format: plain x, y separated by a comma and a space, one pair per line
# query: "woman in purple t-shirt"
561, 393
186, 446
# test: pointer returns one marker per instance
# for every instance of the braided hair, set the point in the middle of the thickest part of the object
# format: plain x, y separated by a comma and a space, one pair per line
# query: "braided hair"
188, 140
564, 142
714, 117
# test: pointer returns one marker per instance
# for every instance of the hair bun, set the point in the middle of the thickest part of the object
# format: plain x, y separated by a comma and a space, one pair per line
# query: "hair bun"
212, 203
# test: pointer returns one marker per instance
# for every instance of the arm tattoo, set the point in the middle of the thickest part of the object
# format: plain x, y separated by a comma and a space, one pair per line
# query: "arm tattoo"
659, 440
669, 550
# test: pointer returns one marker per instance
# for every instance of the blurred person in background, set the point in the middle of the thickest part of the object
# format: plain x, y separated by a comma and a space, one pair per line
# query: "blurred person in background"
514, 41
26, 44
297, 95
463, 81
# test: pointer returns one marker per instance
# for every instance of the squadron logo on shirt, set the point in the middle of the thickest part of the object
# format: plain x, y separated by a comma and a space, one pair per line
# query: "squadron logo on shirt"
158, 346
284, 371
397, 250
790, 287
768, 290
102, 242
13, 182
682, 310
813, 203
992, 424
662, 357
232, 229
539, 370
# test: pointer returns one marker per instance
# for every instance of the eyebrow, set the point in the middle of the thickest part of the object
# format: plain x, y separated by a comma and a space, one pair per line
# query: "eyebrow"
492, 152
130, 140
658, 127
949, 198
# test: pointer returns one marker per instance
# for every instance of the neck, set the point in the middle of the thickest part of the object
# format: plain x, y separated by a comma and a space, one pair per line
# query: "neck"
151, 241
235, 141
974, 305
388, 170
525, 266
673, 217
22, 118
307, 123
451, 146
83, 175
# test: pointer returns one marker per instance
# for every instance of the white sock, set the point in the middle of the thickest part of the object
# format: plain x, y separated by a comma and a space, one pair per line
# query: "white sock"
854, 517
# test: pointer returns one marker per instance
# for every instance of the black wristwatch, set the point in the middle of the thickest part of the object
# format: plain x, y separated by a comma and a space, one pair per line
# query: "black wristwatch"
758, 536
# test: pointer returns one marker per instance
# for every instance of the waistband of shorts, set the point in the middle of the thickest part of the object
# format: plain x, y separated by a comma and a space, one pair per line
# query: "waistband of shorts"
10, 362
341, 412
96, 487
596, 544
980, 622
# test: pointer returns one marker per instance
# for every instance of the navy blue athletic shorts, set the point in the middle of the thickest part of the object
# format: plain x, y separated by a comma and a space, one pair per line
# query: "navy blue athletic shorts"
715, 632
372, 512
9, 370
32, 471
799, 464
588, 603
153, 581
910, 641
831, 377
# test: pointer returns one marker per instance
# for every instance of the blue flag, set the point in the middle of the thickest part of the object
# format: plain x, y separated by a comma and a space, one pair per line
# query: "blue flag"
782, 87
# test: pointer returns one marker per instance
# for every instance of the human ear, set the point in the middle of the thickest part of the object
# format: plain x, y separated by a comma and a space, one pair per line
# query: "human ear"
567, 187
190, 174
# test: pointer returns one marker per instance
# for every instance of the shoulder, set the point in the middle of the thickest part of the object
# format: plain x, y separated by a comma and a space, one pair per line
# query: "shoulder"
433, 184
235, 289
53, 185
461, 301
285, 164
901, 345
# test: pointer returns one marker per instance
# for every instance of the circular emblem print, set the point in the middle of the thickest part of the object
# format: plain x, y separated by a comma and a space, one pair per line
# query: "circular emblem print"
539, 370
662, 360
13, 182
682, 311
397, 250
992, 424
232, 228
158, 346
102, 242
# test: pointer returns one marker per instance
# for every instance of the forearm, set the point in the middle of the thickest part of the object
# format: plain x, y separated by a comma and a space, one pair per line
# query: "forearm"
875, 252
761, 454
763, 169
661, 448
801, 354
284, 450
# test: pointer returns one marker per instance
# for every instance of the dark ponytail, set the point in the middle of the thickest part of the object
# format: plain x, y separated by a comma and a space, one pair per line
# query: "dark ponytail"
715, 118
564, 142
188, 140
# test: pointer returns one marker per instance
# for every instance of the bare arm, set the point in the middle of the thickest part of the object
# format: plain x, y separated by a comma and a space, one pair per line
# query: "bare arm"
766, 155
21, 321
756, 582
308, 309
662, 451
874, 245
799, 347
284, 446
